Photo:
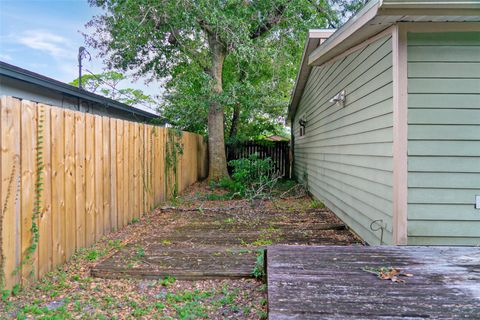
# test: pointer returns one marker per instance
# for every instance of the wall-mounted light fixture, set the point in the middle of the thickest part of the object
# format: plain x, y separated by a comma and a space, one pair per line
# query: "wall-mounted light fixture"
302, 124
339, 99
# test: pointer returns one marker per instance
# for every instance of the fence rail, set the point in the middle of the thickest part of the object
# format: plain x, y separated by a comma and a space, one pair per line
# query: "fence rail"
278, 151
75, 177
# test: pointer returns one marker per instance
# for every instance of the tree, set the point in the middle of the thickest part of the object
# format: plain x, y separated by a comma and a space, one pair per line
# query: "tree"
107, 84
153, 36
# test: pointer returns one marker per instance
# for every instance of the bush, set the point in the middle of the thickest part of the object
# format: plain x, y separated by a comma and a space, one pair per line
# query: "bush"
252, 177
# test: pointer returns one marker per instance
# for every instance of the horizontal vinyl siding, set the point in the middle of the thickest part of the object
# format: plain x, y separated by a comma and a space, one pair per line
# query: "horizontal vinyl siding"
443, 138
345, 157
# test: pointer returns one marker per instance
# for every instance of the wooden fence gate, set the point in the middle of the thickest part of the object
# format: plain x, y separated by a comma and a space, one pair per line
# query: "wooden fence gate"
278, 151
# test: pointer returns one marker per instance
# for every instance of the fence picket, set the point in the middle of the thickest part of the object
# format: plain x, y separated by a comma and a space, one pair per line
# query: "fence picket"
89, 179
58, 185
80, 179
70, 207
28, 175
45, 227
97, 174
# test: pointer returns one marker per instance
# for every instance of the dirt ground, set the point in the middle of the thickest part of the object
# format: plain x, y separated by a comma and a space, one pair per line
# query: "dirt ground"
72, 293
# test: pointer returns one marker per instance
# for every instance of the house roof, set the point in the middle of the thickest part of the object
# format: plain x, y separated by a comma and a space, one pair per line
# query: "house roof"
376, 16
18, 73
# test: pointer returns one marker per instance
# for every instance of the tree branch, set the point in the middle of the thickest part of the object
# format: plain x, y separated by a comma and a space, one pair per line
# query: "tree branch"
271, 20
332, 23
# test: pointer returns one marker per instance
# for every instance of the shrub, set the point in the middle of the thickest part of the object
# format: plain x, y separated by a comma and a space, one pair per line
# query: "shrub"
252, 177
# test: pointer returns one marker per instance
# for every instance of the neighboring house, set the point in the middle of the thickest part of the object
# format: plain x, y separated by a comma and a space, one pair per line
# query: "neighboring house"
276, 138
385, 121
24, 84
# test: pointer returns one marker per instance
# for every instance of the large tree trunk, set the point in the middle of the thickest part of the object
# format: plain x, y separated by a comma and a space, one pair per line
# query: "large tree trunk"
216, 139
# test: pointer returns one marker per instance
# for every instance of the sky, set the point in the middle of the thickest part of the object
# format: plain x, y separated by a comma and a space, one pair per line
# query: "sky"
43, 36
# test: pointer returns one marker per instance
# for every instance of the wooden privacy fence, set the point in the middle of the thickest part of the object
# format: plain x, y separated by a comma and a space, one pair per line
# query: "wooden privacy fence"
278, 151
69, 178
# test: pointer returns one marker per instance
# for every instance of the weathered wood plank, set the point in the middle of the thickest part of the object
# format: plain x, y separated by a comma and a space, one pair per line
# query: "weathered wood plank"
113, 172
218, 244
28, 175
45, 227
120, 173
90, 180
99, 223
80, 196
107, 178
58, 185
10, 187
328, 282
70, 207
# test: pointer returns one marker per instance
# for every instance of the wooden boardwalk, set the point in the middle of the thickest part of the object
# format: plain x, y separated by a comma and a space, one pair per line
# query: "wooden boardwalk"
218, 242
328, 282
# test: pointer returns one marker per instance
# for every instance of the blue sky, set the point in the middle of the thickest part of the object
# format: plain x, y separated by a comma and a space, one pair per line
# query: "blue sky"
44, 35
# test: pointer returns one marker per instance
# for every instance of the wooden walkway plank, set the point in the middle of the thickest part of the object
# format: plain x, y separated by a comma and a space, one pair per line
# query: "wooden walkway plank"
327, 282
216, 244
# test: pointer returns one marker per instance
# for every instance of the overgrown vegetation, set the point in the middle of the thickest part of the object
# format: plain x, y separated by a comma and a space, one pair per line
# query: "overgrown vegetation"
252, 178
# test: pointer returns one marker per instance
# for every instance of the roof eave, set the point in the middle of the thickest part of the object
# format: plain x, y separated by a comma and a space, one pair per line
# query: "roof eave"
392, 8
14, 72
314, 39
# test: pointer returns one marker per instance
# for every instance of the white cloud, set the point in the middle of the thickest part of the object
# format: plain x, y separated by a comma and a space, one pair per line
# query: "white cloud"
57, 46
5, 57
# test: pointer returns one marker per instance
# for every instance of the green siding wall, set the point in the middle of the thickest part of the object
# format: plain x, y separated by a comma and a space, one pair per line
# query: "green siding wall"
443, 138
345, 157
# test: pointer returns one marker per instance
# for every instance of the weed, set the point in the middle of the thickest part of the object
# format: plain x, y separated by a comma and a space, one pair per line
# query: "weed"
5, 295
75, 277
230, 220
15, 289
263, 302
315, 204
138, 312
159, 306
139, 253
115, 244
259, 268
166, 242
262, 242
135, 220
92, 255
167, 280
262, 314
